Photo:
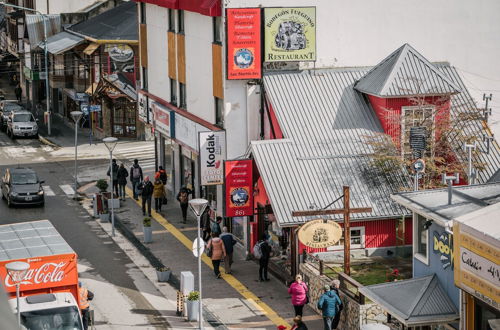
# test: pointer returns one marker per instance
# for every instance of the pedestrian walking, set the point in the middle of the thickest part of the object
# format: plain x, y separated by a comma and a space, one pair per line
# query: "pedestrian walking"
114, 180
85, 296
19, 92
264, 252
298, 324
217, 251
121, 177
135, 178
158, 194
229, 241
335, 287
162, 174
146, 195
183, 198
327, 303
298, 290
205, 224
215, 226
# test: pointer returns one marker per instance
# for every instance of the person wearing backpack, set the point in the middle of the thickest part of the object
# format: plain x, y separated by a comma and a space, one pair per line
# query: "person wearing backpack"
136, 178
262, 251
215, 225
147, 194
183, 198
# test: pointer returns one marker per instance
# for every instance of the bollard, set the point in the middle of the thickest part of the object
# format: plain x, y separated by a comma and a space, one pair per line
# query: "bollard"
187, 285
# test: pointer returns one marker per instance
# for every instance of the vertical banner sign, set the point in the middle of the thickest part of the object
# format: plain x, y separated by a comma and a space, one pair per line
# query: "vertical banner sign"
162, 119
142, 107
290, 34
212, 154
239, 188
243, 43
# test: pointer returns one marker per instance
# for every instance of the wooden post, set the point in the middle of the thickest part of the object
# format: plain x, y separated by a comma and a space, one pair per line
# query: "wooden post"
347, 232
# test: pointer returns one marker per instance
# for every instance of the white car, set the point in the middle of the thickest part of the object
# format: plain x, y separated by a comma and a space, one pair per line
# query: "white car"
22, 123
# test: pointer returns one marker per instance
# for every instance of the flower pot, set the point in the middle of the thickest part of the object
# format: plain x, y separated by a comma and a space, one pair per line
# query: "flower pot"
104, 217
148, 234
193, 307
163, 276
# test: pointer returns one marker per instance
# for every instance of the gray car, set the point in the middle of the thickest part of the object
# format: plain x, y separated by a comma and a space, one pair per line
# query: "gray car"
21, 186
6, 109
22, 123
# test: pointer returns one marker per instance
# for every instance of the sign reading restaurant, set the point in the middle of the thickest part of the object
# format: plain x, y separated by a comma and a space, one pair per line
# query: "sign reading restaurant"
290, 34
320, 233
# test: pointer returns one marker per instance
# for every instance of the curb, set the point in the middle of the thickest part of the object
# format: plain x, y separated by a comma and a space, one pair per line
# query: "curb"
46, 141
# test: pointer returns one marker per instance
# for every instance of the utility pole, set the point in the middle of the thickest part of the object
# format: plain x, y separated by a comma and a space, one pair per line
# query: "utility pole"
487, 111
470, 171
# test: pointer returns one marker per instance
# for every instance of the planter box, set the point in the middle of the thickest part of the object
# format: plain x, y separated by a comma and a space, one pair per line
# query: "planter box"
148, 234
193, 309
104, 216
163, 276
115, 202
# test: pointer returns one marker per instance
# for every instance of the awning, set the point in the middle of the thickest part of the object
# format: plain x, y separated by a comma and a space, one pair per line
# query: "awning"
92, 89
34, 24
61, 42
91, 48
172, 4
416, 302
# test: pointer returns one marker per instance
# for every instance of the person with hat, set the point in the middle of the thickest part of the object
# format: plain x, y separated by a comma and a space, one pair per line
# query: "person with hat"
85, 296
328, 303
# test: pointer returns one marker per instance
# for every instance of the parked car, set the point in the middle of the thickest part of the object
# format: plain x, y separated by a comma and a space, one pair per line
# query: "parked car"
21, 186
22, 123
6, 108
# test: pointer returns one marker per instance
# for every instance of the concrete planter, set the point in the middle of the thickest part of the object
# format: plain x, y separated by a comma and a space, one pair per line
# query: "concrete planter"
163, 276
148, 234
193, 309
104, 217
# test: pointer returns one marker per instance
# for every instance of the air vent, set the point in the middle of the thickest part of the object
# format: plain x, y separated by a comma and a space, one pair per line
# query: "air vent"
41, 298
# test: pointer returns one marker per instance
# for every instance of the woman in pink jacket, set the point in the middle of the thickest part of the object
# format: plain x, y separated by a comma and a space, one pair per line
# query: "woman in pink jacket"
218, 252
298, 290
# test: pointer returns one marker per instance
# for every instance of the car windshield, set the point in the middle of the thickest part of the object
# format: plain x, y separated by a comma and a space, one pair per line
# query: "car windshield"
11, 106
23, 118
24, 178
65, 318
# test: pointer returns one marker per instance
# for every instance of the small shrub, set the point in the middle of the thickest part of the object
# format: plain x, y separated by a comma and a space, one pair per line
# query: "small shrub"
102, 185
146, 222
163, 269
193, 296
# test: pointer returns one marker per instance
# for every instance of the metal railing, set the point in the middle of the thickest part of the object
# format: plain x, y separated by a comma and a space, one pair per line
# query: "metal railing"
348, 285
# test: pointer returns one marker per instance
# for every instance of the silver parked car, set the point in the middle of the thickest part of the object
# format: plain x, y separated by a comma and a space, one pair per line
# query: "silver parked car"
22, 123
6, 108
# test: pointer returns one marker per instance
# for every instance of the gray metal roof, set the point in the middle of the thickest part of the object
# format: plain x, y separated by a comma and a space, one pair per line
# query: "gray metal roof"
485, 221
31, 239
61, 42
433, 204
419, 301
405, 73
34, 24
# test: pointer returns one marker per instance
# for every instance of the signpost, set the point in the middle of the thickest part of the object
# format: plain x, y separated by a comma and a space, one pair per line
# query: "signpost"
346, 211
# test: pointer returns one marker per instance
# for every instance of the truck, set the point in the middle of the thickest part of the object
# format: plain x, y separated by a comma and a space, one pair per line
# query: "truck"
49, 297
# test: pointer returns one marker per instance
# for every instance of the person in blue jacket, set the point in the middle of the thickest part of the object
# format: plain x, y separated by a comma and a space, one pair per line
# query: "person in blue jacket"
328, 305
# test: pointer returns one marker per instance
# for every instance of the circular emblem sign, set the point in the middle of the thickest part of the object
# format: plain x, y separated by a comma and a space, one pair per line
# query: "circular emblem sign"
243, 58
121, 52
239, 196
320, 234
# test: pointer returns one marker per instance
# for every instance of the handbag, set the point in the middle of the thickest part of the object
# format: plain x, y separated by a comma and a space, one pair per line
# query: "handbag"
209, 252
164, 201
307, 295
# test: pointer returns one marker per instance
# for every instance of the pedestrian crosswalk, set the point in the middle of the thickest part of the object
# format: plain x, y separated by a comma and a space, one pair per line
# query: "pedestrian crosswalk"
60, 190
145, 153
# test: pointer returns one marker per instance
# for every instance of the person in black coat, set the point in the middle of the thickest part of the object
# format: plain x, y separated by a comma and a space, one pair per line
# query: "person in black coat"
265, 250
121, 178
147, 194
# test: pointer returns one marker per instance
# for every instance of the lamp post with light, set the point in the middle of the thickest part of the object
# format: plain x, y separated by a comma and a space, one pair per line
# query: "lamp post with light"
76, 115
198, 206
17, 270
110, 143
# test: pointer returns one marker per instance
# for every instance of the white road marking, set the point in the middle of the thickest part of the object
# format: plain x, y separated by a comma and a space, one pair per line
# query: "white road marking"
68, 190
48, 191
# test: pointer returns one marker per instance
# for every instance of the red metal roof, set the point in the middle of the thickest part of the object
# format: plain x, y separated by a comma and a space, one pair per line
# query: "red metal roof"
204, 7
172, 4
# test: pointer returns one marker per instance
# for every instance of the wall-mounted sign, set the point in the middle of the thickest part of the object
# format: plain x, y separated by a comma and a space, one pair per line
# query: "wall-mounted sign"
120, 52
443, 245
243, 43
290, 34
95, 108
212, 154
320, 234
239, 187
85, 108
186, 131
163, 120
142, 107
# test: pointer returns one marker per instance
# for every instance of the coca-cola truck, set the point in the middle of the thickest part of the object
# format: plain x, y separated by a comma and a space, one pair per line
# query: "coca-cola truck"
49, 291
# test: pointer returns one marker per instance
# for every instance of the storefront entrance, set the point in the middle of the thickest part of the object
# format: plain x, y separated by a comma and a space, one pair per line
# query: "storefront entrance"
124, 124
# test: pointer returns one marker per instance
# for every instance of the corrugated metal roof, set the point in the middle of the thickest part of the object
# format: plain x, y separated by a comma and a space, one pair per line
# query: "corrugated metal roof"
433, 204
61, 42
405, 73
414, 302
34, 24
31, 239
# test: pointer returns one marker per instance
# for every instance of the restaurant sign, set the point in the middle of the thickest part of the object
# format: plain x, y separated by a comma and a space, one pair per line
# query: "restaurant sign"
320, 233
290, 34
212, 154
239, 187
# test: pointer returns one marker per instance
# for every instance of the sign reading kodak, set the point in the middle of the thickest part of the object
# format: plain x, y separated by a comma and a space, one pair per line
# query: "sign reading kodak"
290, 34
319, 233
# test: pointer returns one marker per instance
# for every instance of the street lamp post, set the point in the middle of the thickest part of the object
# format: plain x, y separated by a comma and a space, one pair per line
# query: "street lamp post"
17, 270
76, 115
198, 206
110, 143
45, 51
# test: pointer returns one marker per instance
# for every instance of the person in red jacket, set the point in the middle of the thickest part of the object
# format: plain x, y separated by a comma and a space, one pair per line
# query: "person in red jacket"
298, 290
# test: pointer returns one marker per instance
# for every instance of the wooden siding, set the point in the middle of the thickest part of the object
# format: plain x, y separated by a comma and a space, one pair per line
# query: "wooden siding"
172, 56
181, 58
143, 42
217, 74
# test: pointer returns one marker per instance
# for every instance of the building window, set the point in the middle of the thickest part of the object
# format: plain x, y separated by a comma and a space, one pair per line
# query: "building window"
143, 12
416, 117
171, 20
421, 238
180, 21
357, 240
173, 92
59, 65
182, 96
219, 112
144, 78
29, 4
217, 29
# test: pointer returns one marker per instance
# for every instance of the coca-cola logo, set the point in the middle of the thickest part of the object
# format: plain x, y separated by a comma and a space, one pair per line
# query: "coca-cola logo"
49, 272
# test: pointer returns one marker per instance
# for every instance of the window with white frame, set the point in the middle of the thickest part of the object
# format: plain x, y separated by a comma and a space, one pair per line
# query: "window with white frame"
416, 116
357, 240
421, 238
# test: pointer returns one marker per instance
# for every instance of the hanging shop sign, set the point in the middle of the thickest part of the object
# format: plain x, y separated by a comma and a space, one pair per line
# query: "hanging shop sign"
95, 108
320, 233
120, 52
290, 34
85, 108
239, 187
142, 107
243, 43
186, 131
443, 245
212, 154
163, 120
